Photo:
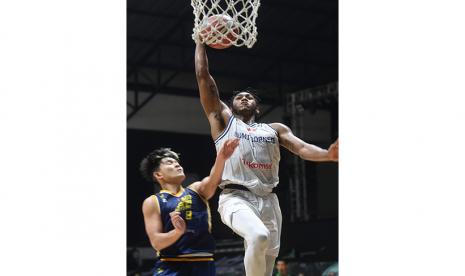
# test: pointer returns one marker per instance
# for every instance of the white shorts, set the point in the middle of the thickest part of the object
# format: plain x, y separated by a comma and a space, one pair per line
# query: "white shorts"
266, 208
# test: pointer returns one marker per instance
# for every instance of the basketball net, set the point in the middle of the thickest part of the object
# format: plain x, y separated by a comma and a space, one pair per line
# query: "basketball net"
243, 13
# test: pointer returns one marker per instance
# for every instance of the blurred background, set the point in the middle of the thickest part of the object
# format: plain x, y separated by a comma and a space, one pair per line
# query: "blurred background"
293, 65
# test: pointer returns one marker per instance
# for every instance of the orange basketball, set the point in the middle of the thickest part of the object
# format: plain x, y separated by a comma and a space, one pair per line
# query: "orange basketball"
219, 31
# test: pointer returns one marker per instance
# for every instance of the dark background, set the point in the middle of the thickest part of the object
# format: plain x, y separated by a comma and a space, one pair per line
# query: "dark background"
297, 49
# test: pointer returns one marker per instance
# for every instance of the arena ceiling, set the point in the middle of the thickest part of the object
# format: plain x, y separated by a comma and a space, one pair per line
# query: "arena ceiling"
296, 48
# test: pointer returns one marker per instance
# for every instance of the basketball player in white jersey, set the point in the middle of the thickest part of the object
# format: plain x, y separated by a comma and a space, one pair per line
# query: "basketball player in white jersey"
247, 203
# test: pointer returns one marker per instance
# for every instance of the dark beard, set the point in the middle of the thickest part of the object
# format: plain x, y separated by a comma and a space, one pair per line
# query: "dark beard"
245, 112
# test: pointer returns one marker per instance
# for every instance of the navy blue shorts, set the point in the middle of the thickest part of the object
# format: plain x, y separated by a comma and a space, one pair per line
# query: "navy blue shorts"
201, 268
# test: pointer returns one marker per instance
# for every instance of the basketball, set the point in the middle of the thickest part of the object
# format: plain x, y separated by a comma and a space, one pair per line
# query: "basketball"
219, 31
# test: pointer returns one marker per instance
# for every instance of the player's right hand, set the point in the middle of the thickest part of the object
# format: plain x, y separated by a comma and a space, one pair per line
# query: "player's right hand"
178, 223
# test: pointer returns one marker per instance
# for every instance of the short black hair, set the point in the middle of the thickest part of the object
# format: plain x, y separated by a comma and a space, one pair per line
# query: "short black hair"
152, 162
250, 90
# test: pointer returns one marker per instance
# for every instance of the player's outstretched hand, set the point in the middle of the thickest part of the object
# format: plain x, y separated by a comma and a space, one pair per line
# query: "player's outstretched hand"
228, 148
198, 41
178, 223
333, 151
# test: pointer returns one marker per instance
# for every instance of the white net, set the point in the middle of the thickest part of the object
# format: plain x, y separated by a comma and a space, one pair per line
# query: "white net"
223, 23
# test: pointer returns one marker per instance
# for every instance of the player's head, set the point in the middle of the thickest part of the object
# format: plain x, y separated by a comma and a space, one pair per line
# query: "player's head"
244, 102
281, 267
162, 166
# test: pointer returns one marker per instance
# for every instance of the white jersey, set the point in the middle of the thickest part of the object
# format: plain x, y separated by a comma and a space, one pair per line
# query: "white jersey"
255, 164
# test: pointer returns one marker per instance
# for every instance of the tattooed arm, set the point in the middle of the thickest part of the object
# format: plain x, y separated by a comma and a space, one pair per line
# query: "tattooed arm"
216, 111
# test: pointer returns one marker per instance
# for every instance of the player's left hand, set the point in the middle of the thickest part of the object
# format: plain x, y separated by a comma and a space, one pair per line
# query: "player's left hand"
333, 151
178, 223
228, 148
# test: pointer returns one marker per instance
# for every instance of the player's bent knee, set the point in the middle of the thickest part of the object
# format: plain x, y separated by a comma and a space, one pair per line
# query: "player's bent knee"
264, 240
260, 239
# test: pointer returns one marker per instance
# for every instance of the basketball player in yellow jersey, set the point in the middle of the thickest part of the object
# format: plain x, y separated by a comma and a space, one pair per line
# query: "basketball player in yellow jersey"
247, 203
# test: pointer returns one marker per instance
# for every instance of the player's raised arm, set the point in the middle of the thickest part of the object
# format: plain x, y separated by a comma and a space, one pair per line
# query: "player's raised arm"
215, 110
154, 225
305, 150
207, 187
209, 96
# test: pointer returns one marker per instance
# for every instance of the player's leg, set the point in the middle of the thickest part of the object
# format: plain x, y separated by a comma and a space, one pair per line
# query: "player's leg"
272, 219
239, 211
270, 260
246, 224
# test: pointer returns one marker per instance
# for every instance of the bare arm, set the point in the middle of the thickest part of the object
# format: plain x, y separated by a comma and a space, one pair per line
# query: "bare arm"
207, 187
154, 225
305, 150
216, 111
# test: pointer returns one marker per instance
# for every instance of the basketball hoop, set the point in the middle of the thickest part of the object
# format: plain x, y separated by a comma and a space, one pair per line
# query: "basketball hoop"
242, 27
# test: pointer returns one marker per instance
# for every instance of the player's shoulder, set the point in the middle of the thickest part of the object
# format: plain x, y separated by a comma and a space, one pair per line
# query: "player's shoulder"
194, 187
151, 204
220, 123
279, 127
